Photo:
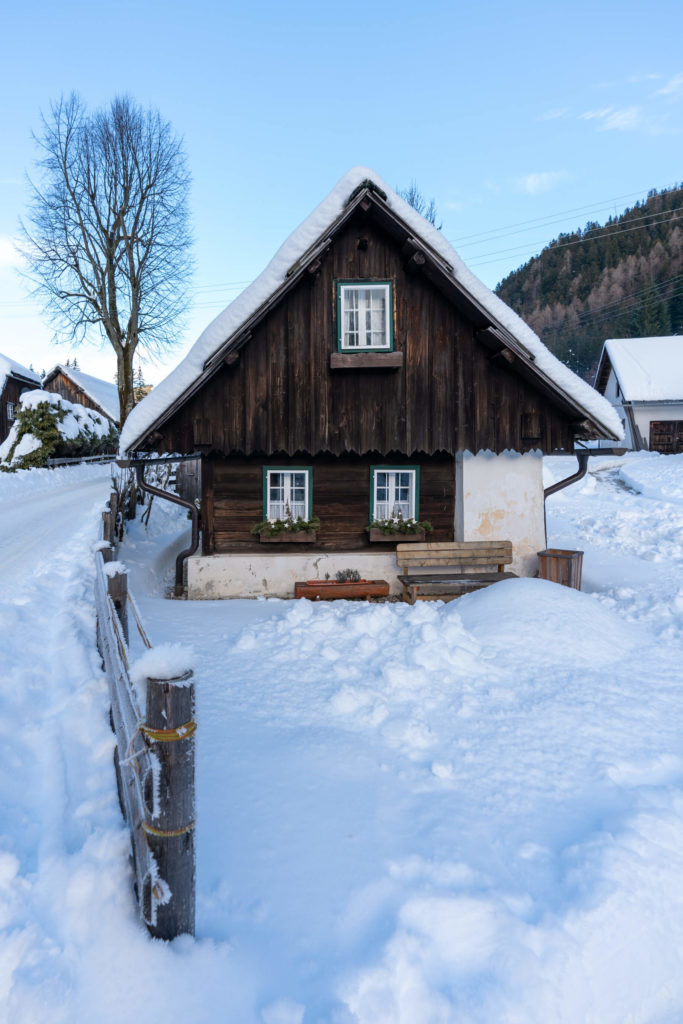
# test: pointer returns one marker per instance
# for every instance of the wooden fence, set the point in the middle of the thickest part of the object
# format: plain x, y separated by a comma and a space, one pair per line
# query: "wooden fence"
154, 755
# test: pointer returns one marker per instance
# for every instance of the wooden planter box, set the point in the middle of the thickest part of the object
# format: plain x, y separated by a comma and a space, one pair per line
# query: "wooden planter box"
561, 566
330, 590
377, 537
290, 537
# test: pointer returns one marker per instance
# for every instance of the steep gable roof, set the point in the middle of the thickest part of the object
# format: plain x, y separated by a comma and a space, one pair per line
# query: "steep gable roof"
10, 368
230, 328
104, 394
647, 369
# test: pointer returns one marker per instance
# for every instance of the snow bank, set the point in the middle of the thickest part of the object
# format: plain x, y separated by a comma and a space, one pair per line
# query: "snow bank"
656, 476
24, 482
230, 320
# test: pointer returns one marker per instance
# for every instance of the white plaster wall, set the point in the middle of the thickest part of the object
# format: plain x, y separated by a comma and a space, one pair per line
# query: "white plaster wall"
644, 414
274, 575
500, 497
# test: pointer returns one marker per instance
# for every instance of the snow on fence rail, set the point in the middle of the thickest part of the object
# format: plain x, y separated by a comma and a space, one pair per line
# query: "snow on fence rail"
154, 754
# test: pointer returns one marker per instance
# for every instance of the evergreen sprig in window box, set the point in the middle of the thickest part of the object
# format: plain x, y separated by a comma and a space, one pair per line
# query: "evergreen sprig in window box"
393, 530
287, 531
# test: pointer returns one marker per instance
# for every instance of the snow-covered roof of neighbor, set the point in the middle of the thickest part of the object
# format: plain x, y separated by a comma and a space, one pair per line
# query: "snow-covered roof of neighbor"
9, 366
106, 395
648, 369
227, 323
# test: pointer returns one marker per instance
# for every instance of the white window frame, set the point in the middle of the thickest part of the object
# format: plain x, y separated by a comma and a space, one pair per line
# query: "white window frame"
288, 472
390, 511
365, 332
10, 411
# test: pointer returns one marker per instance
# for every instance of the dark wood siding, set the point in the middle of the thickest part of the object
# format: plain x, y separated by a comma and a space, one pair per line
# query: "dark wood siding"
12, 392
448, 395
62, 385
232, 500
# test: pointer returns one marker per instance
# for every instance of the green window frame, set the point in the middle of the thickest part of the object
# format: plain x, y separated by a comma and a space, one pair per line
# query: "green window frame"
277, 494
362, 306
389, 491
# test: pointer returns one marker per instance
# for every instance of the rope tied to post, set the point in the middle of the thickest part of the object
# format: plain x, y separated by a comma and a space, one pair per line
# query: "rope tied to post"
181, 732
164, 833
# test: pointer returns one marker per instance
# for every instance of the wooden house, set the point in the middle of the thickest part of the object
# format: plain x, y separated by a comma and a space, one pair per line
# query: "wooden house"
365, 375
14, 381
83, 389
642, 378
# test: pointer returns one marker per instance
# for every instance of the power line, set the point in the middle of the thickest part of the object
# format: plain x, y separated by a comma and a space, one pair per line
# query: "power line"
483, 260
552, 217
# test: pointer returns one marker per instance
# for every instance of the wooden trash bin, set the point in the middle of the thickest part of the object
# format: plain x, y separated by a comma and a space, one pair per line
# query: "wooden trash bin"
561, 566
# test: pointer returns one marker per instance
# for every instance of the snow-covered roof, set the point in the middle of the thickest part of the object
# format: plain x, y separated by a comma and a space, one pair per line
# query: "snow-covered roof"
9, 366
104, 394
648, 369
227, 324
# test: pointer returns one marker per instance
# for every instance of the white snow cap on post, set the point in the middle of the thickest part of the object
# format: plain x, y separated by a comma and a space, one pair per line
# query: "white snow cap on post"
153, 406
167, 661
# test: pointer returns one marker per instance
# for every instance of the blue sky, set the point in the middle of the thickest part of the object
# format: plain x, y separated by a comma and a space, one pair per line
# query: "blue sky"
506, 114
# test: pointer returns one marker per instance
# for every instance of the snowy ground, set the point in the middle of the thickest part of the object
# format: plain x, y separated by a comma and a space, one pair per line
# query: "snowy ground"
446, 813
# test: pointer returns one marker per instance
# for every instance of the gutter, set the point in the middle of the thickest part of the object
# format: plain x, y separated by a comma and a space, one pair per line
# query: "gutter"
139, 466
582, 458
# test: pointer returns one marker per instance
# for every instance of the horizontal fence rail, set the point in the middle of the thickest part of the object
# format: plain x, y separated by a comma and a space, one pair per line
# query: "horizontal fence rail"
153, 758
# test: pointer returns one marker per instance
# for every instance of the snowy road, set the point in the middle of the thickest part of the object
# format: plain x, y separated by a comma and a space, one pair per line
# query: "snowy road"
35, 528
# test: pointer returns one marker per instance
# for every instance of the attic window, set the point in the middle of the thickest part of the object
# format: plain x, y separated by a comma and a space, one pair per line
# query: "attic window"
364, 316
10, 412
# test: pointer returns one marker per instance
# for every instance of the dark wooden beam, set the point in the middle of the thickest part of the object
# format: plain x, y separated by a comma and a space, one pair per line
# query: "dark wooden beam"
366, 360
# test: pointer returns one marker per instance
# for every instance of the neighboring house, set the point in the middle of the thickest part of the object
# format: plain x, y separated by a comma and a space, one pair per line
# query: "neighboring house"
643, 380
366, 372
79, 387
15, 379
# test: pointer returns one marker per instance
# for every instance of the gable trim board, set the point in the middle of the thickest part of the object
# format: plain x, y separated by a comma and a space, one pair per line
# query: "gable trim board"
501, 331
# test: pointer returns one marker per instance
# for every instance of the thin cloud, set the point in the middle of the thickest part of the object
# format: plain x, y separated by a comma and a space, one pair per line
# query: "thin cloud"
593, 115
611, 119
554, 115
627, 119
674, 87
540, 181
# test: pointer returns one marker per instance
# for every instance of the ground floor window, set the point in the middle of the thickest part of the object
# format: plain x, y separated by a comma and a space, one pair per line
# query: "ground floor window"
394, 492
10, 412
287, 493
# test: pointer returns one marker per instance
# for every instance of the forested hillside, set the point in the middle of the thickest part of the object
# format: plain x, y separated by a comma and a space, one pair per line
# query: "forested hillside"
622, 279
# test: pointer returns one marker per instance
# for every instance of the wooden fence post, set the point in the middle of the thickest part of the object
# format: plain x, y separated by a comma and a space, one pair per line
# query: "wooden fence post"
169, 729
117, 588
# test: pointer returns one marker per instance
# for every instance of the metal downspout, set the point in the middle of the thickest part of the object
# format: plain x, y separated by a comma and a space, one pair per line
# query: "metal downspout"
582, 458
180, 560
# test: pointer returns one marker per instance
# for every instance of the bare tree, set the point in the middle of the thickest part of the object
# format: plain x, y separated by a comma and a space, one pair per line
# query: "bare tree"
413, 196
108, 239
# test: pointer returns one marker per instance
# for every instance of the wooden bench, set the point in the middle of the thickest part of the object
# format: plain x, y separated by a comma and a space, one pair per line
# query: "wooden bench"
453, 569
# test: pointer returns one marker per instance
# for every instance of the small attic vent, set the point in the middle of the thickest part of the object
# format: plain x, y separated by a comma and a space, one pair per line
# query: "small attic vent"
371, 186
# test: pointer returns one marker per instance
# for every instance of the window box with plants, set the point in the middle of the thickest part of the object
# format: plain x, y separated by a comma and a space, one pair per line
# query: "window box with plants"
397, 530
348, 584
287, 531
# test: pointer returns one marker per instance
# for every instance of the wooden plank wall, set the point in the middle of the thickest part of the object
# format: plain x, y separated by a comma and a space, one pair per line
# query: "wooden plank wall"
11, 392
281, 394
232, 500
61, 385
